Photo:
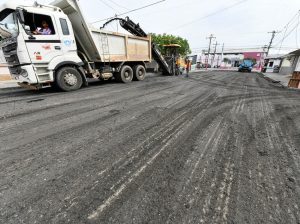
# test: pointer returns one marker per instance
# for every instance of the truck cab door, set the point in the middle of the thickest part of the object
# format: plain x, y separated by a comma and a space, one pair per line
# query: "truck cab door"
42, 47
67, 36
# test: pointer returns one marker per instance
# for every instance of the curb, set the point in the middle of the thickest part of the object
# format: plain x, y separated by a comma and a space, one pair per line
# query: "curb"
272, 80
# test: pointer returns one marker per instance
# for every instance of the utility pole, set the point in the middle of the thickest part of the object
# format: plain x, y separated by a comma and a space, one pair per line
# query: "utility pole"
221, 55
271, 41
210, 39
213, 59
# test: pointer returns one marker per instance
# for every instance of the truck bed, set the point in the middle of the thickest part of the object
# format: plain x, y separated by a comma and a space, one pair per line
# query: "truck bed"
122, 47
100, 45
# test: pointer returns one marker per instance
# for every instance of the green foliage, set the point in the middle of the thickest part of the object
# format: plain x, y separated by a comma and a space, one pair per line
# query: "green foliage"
163, 39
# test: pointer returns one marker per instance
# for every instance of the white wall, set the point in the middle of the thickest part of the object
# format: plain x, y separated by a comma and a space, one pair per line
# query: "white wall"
298, 65
276, 62
286, 63
2, 60
3, 69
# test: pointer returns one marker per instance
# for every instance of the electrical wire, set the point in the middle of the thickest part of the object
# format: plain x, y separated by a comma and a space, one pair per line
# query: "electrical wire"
297, 31
109, 6
287, 35
133, 10
292, 19
117, 4
285, 28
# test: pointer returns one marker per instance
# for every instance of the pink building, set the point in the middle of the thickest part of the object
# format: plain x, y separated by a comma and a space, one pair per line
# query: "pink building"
231, 58
258, 56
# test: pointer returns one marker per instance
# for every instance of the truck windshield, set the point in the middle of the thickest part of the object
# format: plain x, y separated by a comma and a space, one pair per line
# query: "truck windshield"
8, 24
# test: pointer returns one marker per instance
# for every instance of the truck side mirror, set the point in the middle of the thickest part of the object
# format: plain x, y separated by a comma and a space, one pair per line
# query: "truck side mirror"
20, 14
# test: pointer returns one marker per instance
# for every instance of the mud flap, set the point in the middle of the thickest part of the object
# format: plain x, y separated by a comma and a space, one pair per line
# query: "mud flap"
84, 79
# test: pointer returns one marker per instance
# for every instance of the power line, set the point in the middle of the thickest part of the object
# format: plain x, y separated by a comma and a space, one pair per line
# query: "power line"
286, 36
105, 3
117, 4
297, 30
285, 30
133, 10
292, 19
211, 14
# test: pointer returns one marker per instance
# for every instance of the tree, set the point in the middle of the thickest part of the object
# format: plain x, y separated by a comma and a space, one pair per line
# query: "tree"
163, 39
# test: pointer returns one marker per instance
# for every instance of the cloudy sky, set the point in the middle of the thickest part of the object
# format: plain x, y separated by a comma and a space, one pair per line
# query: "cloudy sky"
236, 23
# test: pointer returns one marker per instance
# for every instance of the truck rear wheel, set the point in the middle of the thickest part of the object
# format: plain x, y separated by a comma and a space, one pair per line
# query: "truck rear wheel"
139, 73
68, 79
125, 75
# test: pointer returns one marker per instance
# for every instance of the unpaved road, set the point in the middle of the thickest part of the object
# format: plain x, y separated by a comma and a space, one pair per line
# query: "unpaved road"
219, 147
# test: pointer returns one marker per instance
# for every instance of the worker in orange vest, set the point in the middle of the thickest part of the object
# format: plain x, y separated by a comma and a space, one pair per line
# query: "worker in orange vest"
187, 67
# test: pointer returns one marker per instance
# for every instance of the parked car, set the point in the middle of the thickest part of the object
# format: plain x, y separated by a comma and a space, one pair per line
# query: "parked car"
246, 65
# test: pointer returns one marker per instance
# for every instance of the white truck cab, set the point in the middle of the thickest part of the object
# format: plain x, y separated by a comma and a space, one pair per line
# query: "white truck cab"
52, 44
33, 58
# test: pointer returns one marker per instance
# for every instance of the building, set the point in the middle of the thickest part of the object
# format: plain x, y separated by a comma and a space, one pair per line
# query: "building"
290, 63
273, 63
230, 58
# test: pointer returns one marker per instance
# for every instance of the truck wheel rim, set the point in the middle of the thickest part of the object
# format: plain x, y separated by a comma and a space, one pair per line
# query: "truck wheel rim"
140, 73
126, 74
70, 79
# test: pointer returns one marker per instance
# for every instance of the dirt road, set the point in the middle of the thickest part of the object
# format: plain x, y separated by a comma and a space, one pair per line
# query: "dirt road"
218, 147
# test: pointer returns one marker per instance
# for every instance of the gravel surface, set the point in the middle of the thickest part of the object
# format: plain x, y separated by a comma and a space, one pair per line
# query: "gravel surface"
218, 147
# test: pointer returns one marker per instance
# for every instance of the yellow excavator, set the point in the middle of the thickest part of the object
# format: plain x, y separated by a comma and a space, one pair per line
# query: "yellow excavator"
175, 61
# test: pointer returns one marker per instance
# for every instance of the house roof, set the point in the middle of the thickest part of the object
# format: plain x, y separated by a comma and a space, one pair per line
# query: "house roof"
296, 52
276, 56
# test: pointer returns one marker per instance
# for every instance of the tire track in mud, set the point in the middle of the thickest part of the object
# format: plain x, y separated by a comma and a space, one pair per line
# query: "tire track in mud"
86, 99
215, 148
194, 100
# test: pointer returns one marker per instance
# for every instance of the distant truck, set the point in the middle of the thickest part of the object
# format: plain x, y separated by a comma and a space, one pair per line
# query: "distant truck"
246, 65
73, 51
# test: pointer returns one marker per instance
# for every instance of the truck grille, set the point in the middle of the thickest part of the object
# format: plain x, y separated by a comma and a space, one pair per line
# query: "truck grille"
12, 59
10, 47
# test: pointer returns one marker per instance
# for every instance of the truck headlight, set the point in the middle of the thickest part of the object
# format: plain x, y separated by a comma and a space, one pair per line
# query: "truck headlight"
24, 73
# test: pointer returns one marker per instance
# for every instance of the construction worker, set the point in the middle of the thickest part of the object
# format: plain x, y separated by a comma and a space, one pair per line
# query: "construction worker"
187, 67
43, 31
178, 72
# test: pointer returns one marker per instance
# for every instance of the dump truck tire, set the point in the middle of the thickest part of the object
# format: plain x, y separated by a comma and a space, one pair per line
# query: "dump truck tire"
139, 73
125, 75
68, 79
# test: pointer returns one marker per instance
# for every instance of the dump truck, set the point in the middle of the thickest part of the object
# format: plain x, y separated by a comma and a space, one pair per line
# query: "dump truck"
72, 51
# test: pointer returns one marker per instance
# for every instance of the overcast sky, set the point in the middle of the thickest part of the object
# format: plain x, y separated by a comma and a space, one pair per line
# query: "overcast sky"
236, 23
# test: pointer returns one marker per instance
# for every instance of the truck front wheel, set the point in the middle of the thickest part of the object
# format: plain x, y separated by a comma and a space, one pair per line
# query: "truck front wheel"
139, 72
68, 79
125, 75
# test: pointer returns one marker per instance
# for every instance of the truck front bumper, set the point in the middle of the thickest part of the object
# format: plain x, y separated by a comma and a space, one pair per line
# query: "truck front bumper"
24, 74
